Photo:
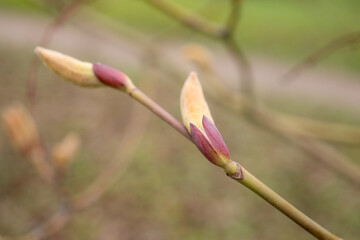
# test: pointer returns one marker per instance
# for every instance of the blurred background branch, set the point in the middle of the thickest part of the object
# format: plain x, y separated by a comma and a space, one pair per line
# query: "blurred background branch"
325, 51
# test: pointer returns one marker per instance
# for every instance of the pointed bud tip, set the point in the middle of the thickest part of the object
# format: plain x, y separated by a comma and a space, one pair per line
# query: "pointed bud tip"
193, 77
42, 52
69, 68
192, 102
215, 137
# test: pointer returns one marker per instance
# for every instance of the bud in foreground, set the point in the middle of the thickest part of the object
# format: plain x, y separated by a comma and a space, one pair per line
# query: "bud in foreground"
21, 128
84, 73
63, 152
197, 119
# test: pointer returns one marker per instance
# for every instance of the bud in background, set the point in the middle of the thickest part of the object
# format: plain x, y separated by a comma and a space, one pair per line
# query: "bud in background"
24, 137
197, 119
84, 73
199, 55
63, 152
21, 128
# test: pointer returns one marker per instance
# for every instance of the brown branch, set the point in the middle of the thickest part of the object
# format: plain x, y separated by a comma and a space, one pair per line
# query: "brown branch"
313, 59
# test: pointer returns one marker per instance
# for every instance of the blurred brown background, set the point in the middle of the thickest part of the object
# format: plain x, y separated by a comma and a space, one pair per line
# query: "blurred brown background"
169, 190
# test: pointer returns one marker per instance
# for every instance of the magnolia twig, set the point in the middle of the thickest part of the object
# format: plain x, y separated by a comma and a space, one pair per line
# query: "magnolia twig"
313, 59
98, 75
299, 131
285, 207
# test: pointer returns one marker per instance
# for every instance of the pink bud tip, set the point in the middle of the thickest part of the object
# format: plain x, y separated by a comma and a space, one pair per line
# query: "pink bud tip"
109, 76
215, 137
203, 144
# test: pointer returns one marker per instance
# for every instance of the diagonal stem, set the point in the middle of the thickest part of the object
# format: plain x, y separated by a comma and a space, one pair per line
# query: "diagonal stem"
258, 187
246, 178
142, 98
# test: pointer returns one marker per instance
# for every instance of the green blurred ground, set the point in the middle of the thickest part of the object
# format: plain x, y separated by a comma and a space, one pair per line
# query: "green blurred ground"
170, 191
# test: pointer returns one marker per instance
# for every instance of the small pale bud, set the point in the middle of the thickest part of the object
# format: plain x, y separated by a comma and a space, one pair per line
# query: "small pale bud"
199, 55
63, 152
21, 128
69, 68
193, 104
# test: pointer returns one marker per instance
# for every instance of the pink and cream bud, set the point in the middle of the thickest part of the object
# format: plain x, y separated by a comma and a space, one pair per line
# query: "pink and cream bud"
204, 134
112, 77
82, 73
69, 68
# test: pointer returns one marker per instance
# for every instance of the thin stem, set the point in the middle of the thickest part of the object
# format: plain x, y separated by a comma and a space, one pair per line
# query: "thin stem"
255, 185
159, 111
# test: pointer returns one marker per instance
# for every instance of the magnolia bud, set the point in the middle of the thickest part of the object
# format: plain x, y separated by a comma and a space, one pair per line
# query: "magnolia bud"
84, 73
63, 152
21, 128
204, 134
192, 103
199, 55
69, 68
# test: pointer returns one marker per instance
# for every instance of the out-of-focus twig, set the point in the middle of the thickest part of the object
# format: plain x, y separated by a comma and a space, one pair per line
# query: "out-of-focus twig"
313, 147
45, 40
244, 68
224, 33
314, 58
191, 20
233, 18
